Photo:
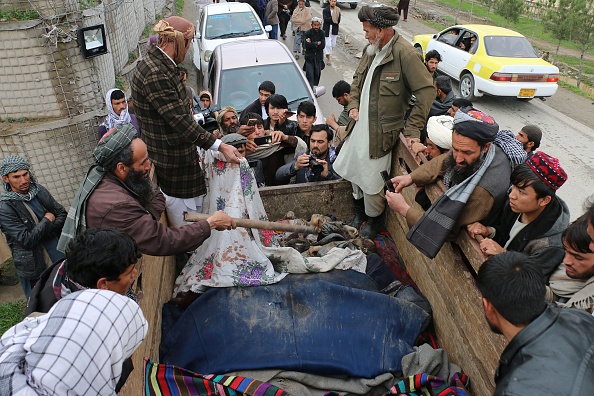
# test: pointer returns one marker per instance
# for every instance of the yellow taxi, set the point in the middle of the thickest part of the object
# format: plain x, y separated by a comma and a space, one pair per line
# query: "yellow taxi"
490, 60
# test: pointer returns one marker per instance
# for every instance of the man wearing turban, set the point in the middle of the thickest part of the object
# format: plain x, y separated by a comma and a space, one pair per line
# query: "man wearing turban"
477, 173
170, 132
390, 71
118, 193
31, 219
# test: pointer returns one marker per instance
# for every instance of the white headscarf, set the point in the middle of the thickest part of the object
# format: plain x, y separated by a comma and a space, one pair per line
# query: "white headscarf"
78, 347
112, 119
439, 130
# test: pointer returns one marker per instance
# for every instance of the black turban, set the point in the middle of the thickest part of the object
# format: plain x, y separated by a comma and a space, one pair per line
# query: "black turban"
380, 16
475, 124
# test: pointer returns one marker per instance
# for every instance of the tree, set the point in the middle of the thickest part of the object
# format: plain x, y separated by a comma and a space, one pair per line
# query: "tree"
509, 9
584, 33
560, 22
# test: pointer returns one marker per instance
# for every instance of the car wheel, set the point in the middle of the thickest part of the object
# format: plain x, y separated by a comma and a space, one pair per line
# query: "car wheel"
467, 87
420, 49
353, 5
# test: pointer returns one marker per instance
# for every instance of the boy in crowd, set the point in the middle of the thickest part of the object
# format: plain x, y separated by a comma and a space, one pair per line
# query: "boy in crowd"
534, 218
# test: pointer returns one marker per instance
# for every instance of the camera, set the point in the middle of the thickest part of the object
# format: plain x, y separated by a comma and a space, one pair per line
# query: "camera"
316, 167
206, 117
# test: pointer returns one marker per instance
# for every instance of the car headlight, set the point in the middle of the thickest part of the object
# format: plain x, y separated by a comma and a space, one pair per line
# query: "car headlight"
207, 55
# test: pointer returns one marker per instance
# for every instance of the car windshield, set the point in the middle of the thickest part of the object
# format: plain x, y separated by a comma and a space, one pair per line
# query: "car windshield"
239, 87
509, 47
236, 24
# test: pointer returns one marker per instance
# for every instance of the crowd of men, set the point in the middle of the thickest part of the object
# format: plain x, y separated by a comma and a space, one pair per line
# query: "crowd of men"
537, 283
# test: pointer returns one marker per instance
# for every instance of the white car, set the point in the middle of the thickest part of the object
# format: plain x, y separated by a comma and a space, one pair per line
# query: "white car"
223, 22
352, 3
237, 69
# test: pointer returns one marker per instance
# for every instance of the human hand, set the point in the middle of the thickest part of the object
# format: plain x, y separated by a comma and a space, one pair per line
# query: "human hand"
490, 247
246, 130
418, 147
324, 163
397, 203
230, 153
354, 114
399, 182
301, 162
251, 146
49, 216
278, 136
221, 221
477, 228
308, 40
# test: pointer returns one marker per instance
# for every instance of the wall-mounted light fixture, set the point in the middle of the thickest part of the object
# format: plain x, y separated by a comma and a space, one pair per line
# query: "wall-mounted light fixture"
92, 41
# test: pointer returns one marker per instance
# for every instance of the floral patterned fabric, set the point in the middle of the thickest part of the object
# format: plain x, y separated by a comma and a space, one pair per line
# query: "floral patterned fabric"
247, 257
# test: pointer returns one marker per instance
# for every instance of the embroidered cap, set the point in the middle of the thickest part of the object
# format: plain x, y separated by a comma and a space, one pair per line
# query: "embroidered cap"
547, 168
475, 124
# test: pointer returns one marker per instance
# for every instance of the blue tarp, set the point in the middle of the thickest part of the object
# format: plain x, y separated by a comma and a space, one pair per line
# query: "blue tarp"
331, 323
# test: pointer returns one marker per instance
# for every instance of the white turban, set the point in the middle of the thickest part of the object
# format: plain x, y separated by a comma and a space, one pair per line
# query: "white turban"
439, 130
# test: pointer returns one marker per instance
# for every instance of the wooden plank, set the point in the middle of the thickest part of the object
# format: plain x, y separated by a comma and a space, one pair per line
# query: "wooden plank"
154, 287
305, 199
449, 286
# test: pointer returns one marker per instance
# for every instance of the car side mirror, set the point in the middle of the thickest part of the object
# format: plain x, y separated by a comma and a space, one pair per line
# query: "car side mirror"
435, 36
268, 28
319, 90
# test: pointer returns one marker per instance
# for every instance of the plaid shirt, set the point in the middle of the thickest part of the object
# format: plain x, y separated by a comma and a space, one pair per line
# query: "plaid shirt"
170, 132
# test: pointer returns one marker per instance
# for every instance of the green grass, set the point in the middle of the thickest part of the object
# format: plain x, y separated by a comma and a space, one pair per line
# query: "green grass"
10, 314
23, 15
575, 89
119, 82
179, 7
575, 62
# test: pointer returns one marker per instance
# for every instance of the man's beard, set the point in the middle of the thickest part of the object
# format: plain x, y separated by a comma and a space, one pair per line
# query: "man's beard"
233, 128
459, 174
374, 48
141, 186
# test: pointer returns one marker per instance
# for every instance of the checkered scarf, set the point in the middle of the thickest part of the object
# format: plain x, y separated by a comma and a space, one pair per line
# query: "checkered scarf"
511, 146
112, 120
78, 347
108, 148
14, 163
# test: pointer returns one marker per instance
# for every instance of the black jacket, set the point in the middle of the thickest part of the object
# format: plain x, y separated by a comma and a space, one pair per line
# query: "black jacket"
541, 238
551, 356
25, 237
328, 26
312, 49
254, 107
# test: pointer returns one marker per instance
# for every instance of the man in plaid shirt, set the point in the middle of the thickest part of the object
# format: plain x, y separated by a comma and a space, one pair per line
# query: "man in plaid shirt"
169, 130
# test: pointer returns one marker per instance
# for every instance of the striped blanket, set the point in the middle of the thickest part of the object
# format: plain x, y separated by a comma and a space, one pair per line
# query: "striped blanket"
168, 380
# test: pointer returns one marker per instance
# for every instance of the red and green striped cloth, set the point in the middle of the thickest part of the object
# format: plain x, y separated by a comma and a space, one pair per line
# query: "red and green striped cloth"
168, 380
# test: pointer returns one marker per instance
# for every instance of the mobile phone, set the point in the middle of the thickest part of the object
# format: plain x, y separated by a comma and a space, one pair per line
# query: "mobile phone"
387, 181
252, 122
261, 140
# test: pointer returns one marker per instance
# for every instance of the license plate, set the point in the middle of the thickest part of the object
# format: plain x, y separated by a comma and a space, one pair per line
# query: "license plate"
526, 93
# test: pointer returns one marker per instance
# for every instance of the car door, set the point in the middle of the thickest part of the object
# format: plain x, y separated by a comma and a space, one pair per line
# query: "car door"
444, 44
459, 57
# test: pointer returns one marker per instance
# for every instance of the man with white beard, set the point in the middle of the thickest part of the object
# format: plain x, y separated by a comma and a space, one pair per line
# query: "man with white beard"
390, 71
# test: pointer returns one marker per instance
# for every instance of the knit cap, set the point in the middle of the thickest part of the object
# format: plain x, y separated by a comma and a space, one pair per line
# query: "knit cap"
547, 168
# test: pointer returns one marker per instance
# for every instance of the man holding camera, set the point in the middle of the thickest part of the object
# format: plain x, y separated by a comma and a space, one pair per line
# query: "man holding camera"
316, 164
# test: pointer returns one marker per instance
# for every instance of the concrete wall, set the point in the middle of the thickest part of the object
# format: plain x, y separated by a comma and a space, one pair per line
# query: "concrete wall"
42, 71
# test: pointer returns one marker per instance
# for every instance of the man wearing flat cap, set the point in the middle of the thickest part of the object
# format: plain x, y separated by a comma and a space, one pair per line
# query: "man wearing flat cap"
390, 71
31, 219
118, 193
477, 174
170, 133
